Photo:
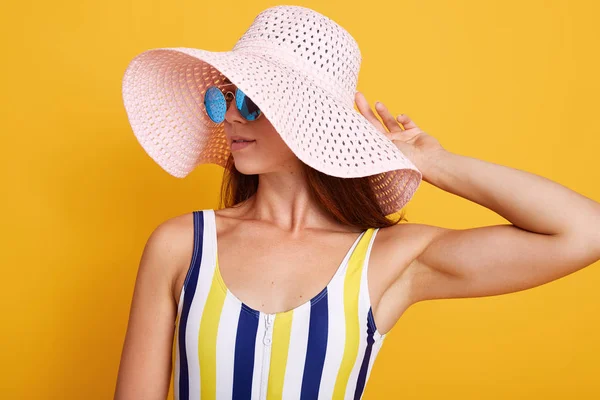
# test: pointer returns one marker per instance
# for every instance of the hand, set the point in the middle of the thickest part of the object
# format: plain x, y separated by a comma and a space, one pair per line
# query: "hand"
416, 145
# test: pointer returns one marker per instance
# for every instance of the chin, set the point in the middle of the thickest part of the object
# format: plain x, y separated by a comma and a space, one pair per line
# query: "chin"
248, 168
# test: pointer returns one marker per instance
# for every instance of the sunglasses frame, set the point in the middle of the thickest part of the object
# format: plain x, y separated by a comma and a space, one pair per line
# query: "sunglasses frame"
232, 96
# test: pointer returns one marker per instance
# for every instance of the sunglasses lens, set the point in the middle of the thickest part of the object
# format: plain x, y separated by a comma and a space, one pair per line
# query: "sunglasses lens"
214, 101
247, 108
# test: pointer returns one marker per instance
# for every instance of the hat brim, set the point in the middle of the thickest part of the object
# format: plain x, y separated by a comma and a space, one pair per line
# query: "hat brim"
163, 93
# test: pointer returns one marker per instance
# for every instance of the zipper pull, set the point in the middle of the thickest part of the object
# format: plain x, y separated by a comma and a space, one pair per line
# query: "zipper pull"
268, 323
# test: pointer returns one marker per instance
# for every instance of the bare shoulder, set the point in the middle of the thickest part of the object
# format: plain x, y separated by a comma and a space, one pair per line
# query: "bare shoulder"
174, 239
172, 231
145, 366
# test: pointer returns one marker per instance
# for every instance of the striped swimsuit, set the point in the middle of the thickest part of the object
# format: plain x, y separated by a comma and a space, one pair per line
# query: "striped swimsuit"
224, 349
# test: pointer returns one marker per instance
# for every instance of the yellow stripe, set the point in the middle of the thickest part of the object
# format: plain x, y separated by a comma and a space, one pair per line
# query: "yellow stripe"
207, 339
351, 291
279, 353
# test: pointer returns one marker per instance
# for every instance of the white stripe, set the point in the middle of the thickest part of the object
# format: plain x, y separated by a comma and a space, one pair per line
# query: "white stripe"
363, 310
226, 335
207, 268
258, 358
376, 347
365, 298
294, 369
379, 339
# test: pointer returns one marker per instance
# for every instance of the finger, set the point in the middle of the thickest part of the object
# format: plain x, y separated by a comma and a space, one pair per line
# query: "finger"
365, 110
389, 121
406, 122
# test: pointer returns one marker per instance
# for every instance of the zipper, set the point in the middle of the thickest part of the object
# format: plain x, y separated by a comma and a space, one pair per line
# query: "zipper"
266, 358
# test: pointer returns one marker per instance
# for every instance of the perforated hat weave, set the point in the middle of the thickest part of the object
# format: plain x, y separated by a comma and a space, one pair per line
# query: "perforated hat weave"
301, 69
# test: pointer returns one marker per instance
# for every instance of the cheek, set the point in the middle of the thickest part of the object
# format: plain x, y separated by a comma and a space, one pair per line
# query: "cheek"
272, 141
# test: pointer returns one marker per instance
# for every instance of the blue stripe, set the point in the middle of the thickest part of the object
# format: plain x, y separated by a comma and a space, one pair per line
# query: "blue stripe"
316, 347
362, 375
243, 364
189, 284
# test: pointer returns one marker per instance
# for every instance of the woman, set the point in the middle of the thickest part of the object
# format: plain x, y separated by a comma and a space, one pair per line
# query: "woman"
289, 291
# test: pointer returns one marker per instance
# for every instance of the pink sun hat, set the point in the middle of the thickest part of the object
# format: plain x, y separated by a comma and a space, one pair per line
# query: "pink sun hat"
301, 69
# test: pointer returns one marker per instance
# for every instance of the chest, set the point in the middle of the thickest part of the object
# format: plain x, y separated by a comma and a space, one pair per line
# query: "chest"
275, 275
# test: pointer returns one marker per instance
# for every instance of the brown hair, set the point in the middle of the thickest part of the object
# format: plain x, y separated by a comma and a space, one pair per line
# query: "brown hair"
350, 201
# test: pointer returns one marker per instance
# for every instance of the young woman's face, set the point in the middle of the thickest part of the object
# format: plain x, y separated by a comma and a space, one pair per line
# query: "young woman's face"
268, 152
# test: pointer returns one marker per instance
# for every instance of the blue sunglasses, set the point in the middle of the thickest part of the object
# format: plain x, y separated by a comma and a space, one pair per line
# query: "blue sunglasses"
216, 103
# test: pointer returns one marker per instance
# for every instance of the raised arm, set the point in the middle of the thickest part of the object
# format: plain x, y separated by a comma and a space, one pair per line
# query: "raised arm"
554, 232
146, 365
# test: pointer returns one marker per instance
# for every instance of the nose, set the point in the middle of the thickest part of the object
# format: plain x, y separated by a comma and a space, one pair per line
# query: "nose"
232, 114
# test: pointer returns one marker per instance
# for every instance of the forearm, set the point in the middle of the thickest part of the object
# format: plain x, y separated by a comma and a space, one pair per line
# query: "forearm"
529, 201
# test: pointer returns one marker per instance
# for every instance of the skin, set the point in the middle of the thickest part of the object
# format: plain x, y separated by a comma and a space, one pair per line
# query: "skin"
409, 262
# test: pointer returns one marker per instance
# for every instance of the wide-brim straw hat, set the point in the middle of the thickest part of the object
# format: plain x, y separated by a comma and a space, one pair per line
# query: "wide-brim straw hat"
301, 69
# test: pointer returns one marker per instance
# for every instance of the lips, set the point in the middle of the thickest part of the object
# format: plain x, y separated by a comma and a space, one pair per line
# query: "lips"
237, 137
235, 146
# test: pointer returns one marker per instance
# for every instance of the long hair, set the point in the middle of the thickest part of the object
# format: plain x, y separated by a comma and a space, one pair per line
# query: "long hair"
350, 201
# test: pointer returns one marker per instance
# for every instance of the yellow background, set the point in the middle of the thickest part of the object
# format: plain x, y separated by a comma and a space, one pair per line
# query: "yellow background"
511, 82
